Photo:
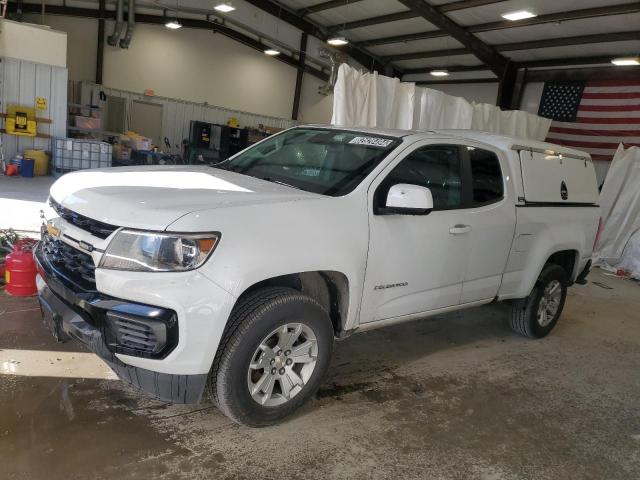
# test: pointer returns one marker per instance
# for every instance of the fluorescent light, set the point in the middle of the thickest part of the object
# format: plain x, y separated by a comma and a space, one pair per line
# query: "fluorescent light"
337, 41
272, 52
173, 24
224, 7
623, 62
519, 15
439, 73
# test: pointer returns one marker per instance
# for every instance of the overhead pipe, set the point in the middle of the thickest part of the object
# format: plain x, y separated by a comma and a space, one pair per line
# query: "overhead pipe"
131, 22
230, 21
117, 29
335, 59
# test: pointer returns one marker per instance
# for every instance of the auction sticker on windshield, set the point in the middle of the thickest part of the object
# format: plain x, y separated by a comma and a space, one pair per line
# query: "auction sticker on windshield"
371, 141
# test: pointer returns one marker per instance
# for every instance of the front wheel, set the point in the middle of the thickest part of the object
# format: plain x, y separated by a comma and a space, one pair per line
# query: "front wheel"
536, 315
272, 358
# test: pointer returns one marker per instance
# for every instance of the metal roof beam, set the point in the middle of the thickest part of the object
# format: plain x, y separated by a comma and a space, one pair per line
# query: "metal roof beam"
566, 41
620, 9
580, 74
555, 62
464, 4
368, 60
486, 53
459, 81
448, 52
448, 68
320, 7
369, 22
560, 62
161, 20
394, 17
510, 47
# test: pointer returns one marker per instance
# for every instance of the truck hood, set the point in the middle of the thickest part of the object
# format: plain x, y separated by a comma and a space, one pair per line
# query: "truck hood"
154, 197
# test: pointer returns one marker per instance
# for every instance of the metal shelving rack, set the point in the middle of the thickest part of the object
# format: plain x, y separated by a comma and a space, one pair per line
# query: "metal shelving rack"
97, 133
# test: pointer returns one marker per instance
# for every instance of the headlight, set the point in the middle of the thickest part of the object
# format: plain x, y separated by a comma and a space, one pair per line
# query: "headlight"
158, 252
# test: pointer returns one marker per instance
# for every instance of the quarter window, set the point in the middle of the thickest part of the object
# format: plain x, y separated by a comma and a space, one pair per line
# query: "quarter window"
486, 176
437, 167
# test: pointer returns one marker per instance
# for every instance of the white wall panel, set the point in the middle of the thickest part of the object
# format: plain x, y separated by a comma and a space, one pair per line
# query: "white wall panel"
177, 114
194, 65
34, 43
20, 83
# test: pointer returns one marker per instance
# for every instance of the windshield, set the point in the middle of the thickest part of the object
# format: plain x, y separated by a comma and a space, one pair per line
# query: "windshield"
329, 162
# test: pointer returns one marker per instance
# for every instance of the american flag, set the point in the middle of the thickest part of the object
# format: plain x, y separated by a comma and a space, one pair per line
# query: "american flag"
594, 116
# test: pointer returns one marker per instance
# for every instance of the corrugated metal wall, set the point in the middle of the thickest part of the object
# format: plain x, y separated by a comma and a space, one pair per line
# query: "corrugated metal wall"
20, 83
177, 114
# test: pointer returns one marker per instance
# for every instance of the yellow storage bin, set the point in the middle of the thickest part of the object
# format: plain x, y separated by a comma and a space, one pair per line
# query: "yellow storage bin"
41, 161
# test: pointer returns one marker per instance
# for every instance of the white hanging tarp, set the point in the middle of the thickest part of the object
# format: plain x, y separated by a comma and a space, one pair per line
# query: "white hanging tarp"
435, 110
620, 207
372, 100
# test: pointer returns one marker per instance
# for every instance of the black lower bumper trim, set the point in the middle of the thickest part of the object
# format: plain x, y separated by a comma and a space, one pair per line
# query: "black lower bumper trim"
65, 323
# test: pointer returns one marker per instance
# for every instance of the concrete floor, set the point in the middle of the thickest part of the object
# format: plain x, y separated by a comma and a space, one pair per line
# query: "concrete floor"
454, 397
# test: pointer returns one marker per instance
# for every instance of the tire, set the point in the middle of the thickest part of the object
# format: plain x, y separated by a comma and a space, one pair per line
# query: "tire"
525, 316
254, 337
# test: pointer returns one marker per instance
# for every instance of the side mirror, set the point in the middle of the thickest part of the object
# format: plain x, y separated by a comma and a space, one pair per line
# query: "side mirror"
408, 199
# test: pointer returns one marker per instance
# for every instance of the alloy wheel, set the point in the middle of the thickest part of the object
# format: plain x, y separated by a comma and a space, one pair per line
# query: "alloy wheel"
282, 364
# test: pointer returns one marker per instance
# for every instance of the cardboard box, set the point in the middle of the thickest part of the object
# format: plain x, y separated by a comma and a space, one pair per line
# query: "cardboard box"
90, 123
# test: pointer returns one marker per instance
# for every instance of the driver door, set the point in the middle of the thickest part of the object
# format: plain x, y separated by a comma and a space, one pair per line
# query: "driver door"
416, 263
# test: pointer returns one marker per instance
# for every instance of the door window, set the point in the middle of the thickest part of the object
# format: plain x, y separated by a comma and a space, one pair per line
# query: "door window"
437, 167
486, 176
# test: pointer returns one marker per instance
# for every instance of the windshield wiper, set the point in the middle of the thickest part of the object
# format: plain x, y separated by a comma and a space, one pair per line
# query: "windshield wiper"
221, 165
272, 180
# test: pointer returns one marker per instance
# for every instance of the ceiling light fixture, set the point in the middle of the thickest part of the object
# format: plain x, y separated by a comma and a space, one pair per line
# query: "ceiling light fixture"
224, 7
272, 52
173, 24
439, 73
337, 41
519, 15
625, 62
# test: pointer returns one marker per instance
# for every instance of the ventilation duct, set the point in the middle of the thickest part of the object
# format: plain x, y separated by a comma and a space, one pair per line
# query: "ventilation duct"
335, 59
131, 22
117, 29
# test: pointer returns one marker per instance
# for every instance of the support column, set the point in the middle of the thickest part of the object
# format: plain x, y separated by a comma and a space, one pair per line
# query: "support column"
518, 89
507, 86
299, 76
100, 51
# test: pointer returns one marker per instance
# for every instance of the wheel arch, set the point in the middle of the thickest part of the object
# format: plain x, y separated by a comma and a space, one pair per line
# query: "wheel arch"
568, 260
329, 288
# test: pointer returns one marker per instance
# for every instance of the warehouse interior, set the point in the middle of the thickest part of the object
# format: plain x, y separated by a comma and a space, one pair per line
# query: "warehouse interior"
141, 86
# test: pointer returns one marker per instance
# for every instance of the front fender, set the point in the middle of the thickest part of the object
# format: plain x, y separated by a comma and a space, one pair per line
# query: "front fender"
260, 242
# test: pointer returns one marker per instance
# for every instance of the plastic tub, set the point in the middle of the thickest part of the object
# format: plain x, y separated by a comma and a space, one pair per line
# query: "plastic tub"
26, 167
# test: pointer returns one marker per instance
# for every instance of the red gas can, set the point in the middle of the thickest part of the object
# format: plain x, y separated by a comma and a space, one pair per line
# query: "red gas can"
20, 270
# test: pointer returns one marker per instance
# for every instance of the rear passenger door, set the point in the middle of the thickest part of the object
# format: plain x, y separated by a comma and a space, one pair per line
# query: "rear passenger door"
492, 218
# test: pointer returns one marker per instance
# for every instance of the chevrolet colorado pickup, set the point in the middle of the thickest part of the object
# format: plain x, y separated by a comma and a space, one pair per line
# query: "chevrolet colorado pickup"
231, 282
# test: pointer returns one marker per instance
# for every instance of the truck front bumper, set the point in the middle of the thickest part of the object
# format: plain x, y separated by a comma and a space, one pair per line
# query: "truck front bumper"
66, 320
177, 370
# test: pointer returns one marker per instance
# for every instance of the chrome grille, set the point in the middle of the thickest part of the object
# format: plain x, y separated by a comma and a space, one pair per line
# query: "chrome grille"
72, 264
94, 227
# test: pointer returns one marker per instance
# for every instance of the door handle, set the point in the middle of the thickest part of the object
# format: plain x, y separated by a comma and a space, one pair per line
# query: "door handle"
459, 229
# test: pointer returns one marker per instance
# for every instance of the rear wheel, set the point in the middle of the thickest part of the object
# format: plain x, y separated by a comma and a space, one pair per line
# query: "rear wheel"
272, 357
536, 315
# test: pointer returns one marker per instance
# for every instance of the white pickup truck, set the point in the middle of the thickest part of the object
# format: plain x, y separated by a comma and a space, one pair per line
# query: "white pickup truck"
233, 281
